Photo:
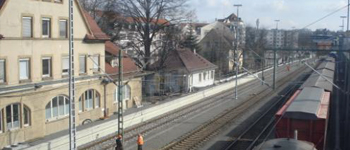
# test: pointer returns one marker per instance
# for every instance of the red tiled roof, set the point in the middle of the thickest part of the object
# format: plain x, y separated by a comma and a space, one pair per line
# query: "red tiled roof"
128, 64
185, 58
97, 33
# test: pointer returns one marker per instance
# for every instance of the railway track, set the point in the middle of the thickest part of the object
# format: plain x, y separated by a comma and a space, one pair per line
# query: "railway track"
164, 120
260, 129
195, 139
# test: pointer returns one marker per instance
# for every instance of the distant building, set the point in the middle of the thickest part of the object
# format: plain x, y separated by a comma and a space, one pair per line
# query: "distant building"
182, 71
217, 46
195, 27
236, 24
282, 39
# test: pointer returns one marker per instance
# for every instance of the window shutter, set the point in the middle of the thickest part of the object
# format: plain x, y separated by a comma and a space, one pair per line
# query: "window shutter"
63, 28
65, 63
97, 63
24, 69
82, 64
27, 26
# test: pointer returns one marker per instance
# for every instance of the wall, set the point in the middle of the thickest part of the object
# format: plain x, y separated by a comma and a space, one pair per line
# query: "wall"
36, 101
136, 91
14, 46
204, 81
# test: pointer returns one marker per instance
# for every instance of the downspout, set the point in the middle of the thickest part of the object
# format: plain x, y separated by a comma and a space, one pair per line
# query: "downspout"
105, 100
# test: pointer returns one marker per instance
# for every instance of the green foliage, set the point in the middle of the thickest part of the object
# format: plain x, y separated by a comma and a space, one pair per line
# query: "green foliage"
191, 42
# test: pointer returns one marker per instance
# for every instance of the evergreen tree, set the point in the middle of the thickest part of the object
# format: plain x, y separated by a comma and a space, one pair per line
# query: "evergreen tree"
191, 41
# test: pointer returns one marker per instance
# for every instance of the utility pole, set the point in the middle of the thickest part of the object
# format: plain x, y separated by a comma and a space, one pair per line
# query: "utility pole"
72, 126
274, 57
263, 54
120, 101
347, 28
236, 49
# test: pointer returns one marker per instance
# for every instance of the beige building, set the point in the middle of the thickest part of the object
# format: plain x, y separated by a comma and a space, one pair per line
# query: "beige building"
34, 68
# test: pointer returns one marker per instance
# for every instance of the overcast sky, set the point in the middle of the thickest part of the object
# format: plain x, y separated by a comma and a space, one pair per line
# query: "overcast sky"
292, 13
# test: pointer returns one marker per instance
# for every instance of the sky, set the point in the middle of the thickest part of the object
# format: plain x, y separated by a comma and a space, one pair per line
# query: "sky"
291, 13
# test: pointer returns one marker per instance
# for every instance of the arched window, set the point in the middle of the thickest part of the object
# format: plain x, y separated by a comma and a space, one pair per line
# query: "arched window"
11, 116
57, 107
90, 99
26, 116
126, 93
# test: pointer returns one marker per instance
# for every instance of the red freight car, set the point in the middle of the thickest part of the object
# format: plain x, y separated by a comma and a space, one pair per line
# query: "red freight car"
307, 112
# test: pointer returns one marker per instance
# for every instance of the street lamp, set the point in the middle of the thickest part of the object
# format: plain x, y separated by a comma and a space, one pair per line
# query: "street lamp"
237, 5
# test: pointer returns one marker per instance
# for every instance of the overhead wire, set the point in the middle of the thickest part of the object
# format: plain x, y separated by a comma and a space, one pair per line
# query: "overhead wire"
324, 17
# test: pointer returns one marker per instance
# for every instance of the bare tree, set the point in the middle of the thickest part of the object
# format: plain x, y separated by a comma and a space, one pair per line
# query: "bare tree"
151, 17
255, 44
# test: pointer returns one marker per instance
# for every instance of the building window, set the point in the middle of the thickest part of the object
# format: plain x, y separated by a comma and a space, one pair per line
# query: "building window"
200, 77
88, 100
204, 75
2, 71
65, 65
24, 69
82, 64
27, 27
26, 116
46, 27
12, 116
58, 1
58, 107
63, 28
96, 65
80, 104
46, 66
97, 100
126, 93
212, 74
1, 128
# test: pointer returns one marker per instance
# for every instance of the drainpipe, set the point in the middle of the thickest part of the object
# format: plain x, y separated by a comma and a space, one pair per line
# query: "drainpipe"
296, 134
105, 100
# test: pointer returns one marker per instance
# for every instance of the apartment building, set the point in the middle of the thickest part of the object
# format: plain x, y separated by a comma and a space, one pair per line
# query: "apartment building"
34, 68
282, 38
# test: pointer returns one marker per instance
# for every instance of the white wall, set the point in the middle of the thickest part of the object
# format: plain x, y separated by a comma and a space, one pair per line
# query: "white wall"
207, 81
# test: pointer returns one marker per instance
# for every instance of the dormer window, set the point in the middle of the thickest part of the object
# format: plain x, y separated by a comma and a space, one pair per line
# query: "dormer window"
114, 62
